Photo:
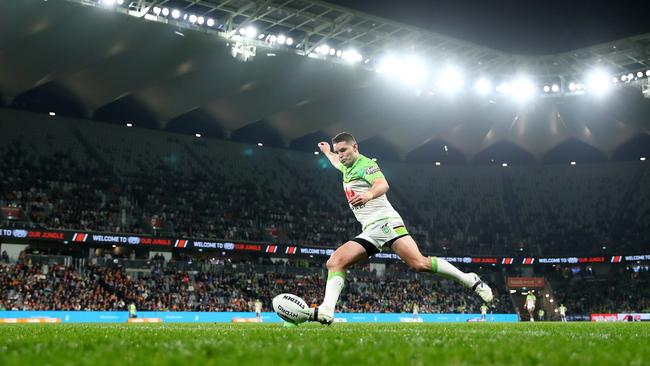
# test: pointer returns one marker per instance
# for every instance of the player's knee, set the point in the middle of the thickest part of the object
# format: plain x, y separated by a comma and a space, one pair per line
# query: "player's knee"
335, 263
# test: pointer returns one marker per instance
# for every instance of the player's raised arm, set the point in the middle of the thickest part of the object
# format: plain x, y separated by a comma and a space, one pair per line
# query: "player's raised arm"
326, 149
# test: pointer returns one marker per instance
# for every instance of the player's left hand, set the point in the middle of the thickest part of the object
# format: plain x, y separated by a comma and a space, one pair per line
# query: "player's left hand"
360, 199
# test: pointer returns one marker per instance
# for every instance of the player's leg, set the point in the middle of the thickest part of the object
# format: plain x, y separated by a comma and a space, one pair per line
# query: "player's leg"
406, 248
342, 258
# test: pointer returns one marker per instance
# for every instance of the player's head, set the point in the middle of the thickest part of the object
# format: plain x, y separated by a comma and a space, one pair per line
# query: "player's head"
346, 147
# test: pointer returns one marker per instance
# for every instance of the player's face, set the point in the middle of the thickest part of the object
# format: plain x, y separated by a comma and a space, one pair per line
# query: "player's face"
348, 153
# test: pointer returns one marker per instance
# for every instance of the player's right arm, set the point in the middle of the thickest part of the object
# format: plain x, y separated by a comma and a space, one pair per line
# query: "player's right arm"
327, 151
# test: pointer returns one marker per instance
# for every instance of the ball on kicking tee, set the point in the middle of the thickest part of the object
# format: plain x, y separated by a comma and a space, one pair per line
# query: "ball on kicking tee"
291, 308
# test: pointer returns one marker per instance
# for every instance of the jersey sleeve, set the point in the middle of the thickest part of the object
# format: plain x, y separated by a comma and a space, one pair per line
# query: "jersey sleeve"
341, 168
371, 172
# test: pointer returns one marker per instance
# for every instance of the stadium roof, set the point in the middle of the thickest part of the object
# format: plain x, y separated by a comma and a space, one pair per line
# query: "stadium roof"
98, 62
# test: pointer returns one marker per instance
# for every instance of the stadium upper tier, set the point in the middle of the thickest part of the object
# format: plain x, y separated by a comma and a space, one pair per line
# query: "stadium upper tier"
86, 59
72, 174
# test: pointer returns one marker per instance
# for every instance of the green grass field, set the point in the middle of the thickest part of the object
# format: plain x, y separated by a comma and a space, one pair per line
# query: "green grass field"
312, 344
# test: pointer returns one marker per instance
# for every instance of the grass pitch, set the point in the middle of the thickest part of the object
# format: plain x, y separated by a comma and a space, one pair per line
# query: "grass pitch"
312, 344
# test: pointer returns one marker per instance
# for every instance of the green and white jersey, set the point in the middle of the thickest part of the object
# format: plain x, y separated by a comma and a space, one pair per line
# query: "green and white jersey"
358, 179
484, 309
562, 310
530, 298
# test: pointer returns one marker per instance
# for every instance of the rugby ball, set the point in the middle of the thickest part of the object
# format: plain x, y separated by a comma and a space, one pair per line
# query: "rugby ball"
291, 308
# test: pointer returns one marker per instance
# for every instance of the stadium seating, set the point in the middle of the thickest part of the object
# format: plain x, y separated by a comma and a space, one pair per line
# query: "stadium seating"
64, 173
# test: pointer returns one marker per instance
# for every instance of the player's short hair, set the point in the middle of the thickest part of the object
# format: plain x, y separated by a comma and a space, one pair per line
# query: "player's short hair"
344, 136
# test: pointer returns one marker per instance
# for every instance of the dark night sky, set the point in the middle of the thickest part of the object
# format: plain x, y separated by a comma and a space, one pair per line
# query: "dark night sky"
518, 26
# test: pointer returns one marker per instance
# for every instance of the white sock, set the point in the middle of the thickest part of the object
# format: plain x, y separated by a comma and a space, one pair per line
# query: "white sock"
335, 281
443, 268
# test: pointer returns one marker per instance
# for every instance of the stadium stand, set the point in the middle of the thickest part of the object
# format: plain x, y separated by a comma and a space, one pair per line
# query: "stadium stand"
62, 173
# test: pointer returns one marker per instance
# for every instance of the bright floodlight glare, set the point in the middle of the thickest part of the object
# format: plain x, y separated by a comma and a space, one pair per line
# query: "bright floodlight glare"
339, 53
412, 71
647, 73
450, 81
200, 20
614, 79
523, 89
351, 56
129, 124
242, 31
624, 77
156, 10
289, 41
251, 32
547, 88
120, 2
282, 39
598, 82
630, 76
504, 88
165, 11
260, 144
176, 14
483, 86
192, 18
332, 51
324, 49
388, 66
504, 164
273, 38
108, 2
572, 86
210, 22
555, 88
197, 134
639, 74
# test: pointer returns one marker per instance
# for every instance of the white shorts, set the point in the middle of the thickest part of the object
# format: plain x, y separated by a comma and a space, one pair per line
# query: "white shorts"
381, 235
530, 306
